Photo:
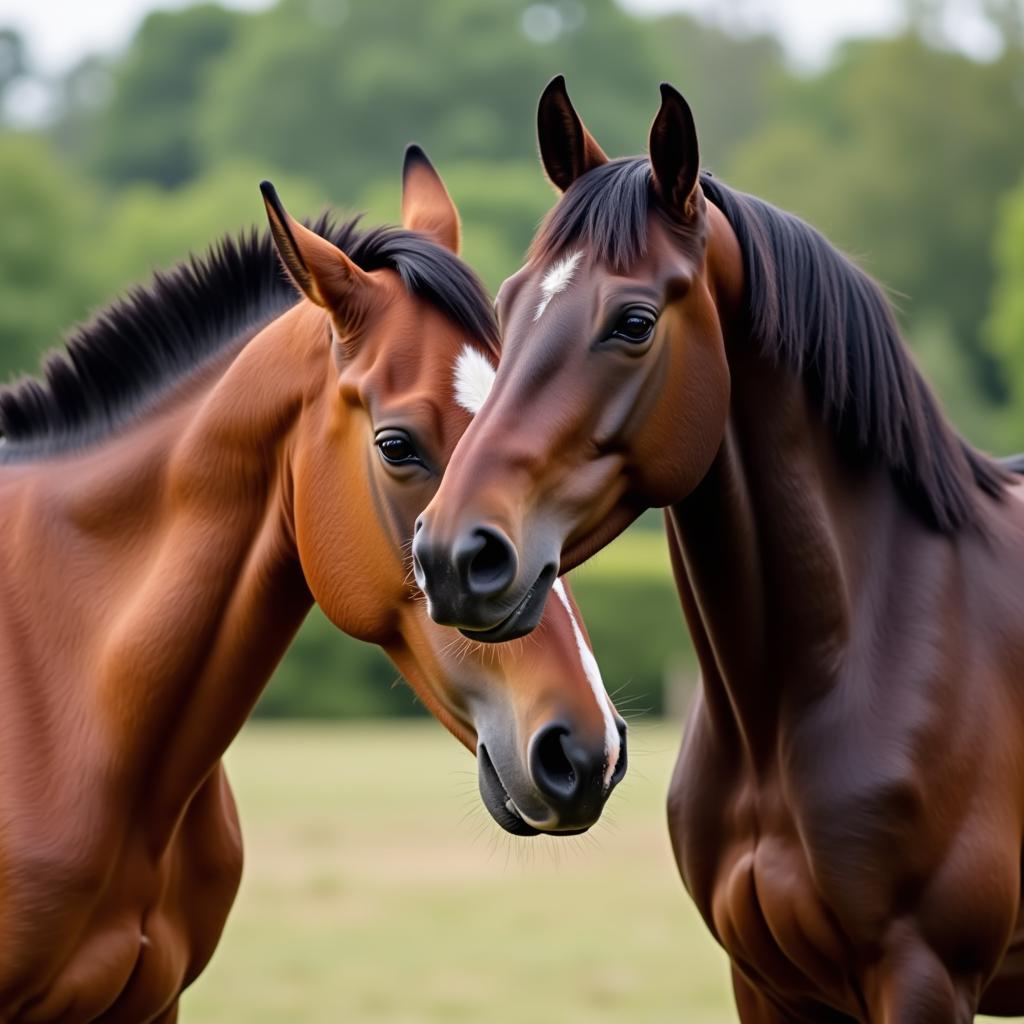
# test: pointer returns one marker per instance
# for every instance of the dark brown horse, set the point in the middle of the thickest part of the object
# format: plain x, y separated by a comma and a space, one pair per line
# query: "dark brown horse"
205, 461
848, 806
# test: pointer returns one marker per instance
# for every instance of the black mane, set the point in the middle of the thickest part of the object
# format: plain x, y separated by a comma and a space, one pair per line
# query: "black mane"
156, 334
811, 309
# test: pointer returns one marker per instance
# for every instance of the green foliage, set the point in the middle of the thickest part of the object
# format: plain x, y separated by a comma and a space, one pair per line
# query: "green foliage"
65, 251
946, 366
331, 90
146, 132
639, 636
13, 63
1005, 327
900, 153
44, 212
150, 228
326, 674
733, 84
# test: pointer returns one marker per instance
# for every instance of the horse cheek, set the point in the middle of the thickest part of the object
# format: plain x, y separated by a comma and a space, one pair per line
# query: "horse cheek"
686, 425
342, 546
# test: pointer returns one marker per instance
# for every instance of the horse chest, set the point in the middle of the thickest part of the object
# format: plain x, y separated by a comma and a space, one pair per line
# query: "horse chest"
741, 854
766, 911
132, 930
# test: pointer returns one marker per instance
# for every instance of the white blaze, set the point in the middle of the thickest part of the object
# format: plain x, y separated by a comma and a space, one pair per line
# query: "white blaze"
593, 674
556, 280
474, 378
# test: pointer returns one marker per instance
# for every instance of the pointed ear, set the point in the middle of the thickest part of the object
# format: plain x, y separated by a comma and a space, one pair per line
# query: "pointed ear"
675, 157
320, 270
426, 205
567, 149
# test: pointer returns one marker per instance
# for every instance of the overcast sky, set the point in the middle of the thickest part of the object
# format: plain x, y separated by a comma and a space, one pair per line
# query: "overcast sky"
60, 31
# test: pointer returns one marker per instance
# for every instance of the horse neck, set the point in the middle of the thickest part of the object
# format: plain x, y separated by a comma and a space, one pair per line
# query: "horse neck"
167, 553
769, 554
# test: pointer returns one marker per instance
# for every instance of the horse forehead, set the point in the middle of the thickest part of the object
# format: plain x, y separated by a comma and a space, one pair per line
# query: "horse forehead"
590, 280
556, 277
431, 390
416, 352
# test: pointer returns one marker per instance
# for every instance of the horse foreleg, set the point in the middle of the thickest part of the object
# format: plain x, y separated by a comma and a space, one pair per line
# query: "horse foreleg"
169, 1016
913, 986
752, 1006
756, 1007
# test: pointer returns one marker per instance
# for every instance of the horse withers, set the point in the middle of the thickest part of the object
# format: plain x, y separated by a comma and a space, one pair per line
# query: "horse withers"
847, 809
207, 459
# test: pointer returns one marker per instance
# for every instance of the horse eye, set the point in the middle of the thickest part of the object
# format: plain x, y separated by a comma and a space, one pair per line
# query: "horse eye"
397, 450
634, 327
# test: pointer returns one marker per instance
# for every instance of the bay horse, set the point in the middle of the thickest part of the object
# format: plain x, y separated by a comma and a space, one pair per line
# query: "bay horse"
847, 809
205, 460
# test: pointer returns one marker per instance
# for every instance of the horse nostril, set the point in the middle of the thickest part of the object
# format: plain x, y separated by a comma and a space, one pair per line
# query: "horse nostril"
553, 773
487, 562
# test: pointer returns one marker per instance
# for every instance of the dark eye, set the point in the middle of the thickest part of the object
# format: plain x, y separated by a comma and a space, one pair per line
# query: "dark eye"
397, 449
634, 326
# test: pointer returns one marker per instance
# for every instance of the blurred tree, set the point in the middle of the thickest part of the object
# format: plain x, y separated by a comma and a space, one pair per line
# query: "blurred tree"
1007, 16
147, 130
946, 367
332, 90
326, 674
150, 228
81, 101
1005, 326
44, 211
65, 251
899, 153
13, 62
327, 90
937, 21
732, 83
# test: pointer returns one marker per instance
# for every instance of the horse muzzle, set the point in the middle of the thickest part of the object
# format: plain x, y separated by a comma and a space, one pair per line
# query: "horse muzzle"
475, 583
562, 787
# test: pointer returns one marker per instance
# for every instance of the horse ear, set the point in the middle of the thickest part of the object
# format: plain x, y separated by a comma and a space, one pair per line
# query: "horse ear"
426, 205
567, 149
320, 270
675, 157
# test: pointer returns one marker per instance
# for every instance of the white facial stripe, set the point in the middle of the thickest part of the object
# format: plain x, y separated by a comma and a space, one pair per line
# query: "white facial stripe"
593, 674
557, 279
474, 378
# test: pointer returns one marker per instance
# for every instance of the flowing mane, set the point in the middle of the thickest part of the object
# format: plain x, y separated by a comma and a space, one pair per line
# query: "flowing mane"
813, 310
141, 344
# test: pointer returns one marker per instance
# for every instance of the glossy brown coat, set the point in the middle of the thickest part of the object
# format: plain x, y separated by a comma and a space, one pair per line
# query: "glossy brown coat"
847, 810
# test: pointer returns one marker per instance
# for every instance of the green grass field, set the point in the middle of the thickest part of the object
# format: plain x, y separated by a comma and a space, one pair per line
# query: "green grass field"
377, 889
